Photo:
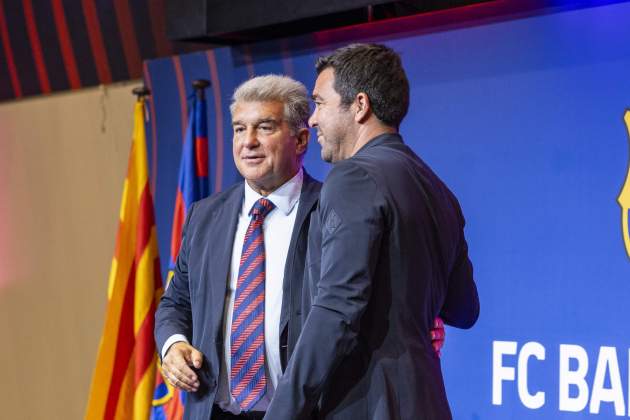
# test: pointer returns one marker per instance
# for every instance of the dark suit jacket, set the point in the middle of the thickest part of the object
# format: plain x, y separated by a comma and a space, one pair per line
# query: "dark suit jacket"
194, 302
393, 257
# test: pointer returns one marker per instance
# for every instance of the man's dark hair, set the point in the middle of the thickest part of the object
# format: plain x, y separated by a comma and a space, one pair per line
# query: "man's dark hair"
375, 70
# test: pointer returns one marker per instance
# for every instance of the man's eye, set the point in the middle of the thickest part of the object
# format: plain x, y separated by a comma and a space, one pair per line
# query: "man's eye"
238, 130
266, 128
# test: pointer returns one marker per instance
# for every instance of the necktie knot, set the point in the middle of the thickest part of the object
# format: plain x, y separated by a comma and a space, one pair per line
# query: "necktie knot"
261, 208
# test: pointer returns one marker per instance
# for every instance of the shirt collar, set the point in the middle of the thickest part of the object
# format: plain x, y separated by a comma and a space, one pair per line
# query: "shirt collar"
284, 197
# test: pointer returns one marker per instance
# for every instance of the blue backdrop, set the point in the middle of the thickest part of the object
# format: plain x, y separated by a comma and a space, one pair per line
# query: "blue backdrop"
522, 118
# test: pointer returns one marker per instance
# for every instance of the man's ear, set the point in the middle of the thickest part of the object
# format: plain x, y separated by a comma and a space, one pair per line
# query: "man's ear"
363, 107
301, 140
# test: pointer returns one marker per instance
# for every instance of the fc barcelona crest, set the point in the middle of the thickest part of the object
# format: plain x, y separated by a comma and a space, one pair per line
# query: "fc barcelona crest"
624, 196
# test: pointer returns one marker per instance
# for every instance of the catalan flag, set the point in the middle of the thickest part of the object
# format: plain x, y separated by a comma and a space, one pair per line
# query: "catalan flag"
124, 377
193, 185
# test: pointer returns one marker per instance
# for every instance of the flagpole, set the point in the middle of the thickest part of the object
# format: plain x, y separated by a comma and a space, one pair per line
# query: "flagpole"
141, 92
200, 85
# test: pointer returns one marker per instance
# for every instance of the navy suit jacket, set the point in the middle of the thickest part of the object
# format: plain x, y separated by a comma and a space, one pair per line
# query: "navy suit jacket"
193, 304
391, 256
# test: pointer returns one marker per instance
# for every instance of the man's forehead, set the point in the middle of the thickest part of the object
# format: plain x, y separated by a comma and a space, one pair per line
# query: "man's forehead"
323, 83
256, 111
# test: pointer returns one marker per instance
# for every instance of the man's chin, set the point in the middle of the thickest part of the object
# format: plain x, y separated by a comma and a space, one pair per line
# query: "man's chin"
252, 174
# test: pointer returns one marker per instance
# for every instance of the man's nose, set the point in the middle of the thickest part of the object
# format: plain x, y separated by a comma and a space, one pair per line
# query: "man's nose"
251, 140
312, 121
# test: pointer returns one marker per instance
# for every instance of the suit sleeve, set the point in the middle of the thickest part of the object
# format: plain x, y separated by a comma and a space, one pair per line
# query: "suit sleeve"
173, 315
461, 306
352, 222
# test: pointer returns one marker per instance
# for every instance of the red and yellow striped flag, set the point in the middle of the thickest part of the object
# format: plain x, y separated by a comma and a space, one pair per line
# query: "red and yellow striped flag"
124, 377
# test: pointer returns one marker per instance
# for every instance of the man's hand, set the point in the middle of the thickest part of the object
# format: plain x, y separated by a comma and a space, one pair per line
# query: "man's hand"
438, 335
177, 364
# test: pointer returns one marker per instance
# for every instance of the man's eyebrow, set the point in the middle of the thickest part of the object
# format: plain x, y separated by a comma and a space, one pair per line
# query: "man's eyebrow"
266, 120
257, 122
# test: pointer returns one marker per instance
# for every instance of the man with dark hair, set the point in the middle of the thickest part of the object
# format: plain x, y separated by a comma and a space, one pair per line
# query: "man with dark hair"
391, 257
375, 70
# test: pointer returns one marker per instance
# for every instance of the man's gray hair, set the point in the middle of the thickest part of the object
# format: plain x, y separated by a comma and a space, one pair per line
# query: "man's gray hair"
273, 87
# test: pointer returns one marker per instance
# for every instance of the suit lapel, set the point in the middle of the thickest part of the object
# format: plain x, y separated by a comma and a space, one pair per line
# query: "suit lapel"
224, 222
308, 199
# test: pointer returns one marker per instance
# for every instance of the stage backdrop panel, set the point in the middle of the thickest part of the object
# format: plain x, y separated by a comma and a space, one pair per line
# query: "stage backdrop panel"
524, 121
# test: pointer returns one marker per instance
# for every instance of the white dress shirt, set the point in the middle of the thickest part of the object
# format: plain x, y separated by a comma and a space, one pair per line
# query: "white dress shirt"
277, 231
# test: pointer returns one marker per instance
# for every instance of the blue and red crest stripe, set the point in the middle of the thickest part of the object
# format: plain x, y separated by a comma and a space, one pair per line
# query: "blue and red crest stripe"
193, 182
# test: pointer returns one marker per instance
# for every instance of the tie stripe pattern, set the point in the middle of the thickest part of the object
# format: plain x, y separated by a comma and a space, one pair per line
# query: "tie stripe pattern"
247, 340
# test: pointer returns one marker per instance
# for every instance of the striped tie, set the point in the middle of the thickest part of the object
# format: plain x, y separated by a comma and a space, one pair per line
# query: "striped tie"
247, 340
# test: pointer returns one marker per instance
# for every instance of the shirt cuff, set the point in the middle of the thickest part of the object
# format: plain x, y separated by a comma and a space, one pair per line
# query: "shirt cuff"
175, 338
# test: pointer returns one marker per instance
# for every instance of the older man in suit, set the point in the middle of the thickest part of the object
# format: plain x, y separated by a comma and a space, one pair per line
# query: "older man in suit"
229, 319
391, 257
